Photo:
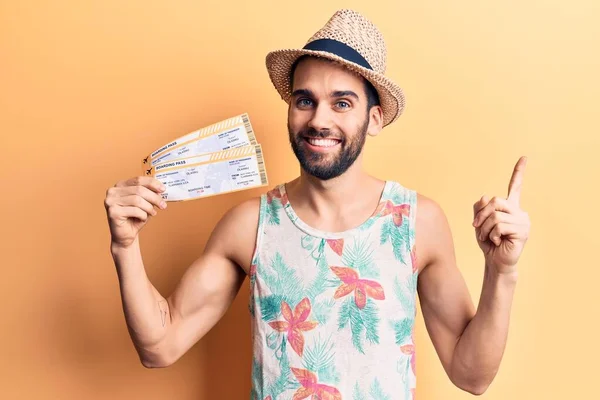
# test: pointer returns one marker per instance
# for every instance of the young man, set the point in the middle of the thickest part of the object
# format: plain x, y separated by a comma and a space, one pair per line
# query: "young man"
333, 256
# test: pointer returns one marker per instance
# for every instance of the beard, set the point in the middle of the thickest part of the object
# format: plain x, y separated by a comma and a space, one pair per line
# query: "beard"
316, 164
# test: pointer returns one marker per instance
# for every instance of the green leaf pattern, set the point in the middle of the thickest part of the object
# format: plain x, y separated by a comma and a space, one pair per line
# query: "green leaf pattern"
293, 264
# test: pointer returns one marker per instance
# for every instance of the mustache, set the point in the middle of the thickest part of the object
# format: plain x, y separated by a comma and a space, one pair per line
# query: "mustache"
321, 134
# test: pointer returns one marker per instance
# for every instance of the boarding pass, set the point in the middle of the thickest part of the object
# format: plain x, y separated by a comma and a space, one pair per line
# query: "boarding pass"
211, 174
230, 133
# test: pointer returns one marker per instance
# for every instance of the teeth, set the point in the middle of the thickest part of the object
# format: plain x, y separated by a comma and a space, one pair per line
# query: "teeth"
322, 142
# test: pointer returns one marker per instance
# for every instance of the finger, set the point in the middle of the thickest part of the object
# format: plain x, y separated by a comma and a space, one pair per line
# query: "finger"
480, 204
495, 218
137, 201
506, 230
144, 192
496, 204
516, 181
146, 181
117, 213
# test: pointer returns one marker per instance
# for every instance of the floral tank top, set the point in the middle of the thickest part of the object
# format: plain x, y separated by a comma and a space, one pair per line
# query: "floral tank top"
333, 314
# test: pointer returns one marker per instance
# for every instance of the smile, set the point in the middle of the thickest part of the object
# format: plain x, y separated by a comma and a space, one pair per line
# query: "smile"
318, 142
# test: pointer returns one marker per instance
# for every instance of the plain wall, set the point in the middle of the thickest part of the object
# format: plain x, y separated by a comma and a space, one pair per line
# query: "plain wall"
87, 88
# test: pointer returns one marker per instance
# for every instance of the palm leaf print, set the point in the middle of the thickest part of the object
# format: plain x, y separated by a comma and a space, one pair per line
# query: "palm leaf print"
360, 257
322, 310
398, 236
257, 381
273, 213
386, 232
285, 381
320, 358
406, 293
363, 322
403, 369
315, 245
396, 228
282, 281
376, 391
321, 281
270, 306
358, 394
403, 330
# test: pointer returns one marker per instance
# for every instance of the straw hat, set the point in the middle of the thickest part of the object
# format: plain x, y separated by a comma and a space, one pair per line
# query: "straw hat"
353, 41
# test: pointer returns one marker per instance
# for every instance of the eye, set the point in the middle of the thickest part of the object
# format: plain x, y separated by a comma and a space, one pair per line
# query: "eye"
342, 104
304, 102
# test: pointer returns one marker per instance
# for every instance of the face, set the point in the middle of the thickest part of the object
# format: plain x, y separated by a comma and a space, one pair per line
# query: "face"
328, 120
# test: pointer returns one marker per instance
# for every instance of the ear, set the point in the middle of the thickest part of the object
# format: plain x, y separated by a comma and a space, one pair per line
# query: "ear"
375, 121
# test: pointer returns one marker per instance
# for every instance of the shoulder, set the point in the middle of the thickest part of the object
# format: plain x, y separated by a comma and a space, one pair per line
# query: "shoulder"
235, 234
245, 214
429, 211
433, 233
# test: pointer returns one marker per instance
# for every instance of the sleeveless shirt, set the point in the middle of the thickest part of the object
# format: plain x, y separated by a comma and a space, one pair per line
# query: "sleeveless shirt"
333, 312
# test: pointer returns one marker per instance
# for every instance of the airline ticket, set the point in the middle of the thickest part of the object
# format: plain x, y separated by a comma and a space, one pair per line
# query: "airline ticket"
210, 174
230, 133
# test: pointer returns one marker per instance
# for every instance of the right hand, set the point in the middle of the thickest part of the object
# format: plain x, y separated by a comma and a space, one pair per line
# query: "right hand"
129, 204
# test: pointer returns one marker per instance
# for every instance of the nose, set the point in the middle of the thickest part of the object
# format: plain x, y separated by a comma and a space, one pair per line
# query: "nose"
321, 118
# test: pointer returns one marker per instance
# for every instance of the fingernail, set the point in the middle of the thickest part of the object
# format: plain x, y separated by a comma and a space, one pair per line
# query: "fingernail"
163, 188
163, 205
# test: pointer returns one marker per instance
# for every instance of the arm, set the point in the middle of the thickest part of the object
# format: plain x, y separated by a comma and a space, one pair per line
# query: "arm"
163, 329
469, 343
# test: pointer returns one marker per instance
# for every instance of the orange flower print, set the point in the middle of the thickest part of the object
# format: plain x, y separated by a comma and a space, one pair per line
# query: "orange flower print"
310, 387
362, 288
409, 349
276, 194
397, 211
295, 323
337, 245
413, 259
268, 397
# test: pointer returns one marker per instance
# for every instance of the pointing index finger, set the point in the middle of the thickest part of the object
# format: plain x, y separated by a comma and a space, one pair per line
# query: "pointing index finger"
516, 181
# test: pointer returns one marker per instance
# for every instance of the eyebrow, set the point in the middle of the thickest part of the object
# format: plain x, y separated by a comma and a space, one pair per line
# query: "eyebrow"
334, 94
303, 92
344, 93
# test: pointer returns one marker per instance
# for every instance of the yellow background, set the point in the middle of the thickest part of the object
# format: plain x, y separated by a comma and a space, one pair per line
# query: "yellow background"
88, 88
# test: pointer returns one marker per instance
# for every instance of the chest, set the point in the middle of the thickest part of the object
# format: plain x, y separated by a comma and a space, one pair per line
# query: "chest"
366, 266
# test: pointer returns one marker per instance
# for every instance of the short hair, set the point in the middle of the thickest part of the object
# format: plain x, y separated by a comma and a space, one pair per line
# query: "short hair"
370, 91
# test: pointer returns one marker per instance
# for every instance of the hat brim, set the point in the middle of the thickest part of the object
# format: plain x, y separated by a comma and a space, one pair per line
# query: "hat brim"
279, 64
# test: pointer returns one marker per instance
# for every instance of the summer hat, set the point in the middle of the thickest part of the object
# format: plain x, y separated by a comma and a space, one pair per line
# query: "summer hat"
353, 41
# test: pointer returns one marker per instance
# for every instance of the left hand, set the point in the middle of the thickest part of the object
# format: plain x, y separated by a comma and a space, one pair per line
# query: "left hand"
501, 227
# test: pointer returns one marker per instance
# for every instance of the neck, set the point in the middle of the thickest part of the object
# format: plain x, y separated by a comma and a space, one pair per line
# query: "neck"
354, 191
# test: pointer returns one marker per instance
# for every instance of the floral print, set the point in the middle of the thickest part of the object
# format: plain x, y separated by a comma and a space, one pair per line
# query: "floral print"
333, 312
295, 323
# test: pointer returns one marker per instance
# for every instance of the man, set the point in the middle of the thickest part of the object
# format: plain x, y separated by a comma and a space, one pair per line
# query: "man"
333, 256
